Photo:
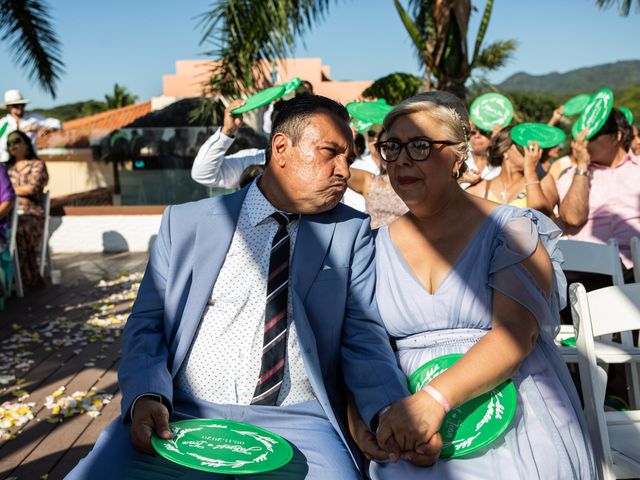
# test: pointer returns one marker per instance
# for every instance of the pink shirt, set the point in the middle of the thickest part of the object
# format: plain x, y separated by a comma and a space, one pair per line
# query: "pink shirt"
614, 205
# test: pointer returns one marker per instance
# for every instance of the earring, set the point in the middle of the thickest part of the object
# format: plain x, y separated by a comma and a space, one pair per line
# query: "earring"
456, 174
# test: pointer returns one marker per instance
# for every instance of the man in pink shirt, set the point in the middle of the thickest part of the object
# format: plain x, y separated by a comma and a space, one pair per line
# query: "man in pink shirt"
600, 197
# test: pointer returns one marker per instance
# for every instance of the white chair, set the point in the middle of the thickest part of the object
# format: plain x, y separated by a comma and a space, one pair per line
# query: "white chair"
45, 255
587, 257
13, 251
635, 256
615, 435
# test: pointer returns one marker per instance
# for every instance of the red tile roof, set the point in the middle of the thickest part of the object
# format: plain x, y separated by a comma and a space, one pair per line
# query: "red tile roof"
80, 132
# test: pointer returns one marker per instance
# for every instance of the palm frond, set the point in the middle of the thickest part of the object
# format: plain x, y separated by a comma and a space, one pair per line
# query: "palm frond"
413, 30
496, 55
26, 26
624, 5
245, 34
484, 24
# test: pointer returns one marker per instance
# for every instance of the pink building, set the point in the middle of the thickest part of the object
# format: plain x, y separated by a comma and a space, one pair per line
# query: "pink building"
190, 74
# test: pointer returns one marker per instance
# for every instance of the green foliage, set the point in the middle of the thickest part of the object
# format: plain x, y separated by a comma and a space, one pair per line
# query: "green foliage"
533, 107
630, 98
624, 6
394, 88
26, 26
71, 111
121, 97
245, 32
496, 55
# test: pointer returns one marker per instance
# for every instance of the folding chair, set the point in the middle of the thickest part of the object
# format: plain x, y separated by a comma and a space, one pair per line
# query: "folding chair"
615, 436
45, 255
13, 251
587, 257
635, 256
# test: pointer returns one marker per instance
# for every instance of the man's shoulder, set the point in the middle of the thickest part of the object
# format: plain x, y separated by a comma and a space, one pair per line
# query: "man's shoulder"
192, 211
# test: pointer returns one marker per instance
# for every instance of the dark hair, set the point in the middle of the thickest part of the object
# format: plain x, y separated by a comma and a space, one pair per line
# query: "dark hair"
294, 116
359, 144
500, 143
617, 122
249, 174
31, 153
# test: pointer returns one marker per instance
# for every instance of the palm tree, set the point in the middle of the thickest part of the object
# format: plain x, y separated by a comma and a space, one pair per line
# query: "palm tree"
247, 32
120, 98
438, 29
26, 26
624, 5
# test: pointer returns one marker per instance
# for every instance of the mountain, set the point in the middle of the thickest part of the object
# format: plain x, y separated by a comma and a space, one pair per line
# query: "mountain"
582, 80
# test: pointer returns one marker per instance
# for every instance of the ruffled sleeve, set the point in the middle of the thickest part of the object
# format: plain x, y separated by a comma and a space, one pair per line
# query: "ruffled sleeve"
516, 241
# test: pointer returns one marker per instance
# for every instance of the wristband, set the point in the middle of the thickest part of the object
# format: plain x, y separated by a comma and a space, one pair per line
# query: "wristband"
438, 397
581, 171
532, 183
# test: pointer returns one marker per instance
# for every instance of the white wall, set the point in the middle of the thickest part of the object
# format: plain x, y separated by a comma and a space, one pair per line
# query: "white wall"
103, 233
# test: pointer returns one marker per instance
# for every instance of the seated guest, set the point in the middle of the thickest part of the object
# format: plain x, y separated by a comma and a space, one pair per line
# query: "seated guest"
218, 271
518, 183
600, 197
381, 203
250, 174
367, 162
29, 177
478, 166
7, 197
460, 274
635, 142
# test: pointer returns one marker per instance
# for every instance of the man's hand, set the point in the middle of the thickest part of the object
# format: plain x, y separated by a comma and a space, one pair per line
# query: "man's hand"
149, 416
363, 437
410, 424
231, 122
579, 150
429, 453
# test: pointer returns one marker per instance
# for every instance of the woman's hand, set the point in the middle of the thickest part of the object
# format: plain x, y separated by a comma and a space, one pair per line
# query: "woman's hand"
232, 122
532, 156
410, 424
471, 176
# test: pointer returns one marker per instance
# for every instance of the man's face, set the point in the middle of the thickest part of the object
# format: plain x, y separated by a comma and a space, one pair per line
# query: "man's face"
317, 167
16, 110
603, 148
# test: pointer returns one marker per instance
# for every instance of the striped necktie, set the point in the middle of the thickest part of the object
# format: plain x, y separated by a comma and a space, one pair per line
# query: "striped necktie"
275, 320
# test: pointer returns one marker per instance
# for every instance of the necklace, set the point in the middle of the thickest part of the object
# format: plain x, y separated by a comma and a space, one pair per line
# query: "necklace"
504, 194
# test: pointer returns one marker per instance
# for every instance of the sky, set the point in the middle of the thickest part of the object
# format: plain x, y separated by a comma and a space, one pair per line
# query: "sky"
134, 43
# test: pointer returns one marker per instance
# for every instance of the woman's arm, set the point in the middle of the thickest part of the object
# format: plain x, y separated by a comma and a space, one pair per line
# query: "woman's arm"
26, 190
360, 181
5, 208
495, 358
536, 195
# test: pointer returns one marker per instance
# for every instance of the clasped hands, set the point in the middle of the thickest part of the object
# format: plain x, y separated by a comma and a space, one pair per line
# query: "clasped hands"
408, 430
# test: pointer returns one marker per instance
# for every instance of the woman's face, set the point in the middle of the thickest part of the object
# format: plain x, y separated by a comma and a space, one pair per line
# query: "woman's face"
515, 157
421, 184
480, 141
635, 142
17, 146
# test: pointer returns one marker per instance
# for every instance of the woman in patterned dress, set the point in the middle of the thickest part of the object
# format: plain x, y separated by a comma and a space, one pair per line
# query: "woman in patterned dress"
7, 197
29, 177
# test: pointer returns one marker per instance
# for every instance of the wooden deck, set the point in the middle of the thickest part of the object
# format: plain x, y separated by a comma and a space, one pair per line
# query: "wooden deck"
63, 336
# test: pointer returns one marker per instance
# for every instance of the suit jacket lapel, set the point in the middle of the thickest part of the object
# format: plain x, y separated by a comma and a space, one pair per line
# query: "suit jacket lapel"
213, 238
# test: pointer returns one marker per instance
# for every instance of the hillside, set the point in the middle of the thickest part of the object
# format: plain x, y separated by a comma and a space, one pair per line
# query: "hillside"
616, 75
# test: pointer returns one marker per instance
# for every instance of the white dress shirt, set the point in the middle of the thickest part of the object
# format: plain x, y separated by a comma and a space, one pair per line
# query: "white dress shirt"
212, 167
224, 362
28, 120
351, 197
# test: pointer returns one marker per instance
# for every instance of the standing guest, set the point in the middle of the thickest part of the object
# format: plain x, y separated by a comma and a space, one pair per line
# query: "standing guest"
33, 124
600, 197
29, 177
381, 202
478, 166
635, 142
198, 323
369, 162
7, 196
459, 274
518, 183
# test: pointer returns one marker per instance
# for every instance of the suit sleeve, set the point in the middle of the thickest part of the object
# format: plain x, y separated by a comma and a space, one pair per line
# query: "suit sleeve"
145, 353
370, 369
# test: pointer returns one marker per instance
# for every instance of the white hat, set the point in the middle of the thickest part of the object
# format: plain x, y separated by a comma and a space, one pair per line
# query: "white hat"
14, 97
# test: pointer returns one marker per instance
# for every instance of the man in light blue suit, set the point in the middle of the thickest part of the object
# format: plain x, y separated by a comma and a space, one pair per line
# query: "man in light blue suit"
193, 345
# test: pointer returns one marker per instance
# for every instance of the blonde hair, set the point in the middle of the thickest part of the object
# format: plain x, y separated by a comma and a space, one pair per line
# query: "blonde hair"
443, 108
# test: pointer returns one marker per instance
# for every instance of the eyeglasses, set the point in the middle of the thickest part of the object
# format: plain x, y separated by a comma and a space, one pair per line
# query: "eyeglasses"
418, 149
15, 141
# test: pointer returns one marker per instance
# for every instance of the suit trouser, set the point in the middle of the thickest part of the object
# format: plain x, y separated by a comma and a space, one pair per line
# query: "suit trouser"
319, 453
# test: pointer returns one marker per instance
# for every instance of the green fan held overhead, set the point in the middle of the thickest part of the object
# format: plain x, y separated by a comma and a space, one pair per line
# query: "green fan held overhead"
625, 111
265, 97
546, 135
491, 110
575, 105
369, 112
595, 113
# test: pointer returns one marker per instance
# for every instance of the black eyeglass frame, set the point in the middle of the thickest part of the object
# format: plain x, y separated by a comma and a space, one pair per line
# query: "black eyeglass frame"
404, 145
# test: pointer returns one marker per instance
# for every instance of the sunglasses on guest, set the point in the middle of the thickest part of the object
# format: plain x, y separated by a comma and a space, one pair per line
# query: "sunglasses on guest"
479, 132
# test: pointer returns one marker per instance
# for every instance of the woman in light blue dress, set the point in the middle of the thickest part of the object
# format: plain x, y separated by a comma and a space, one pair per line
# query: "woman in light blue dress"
460, 274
